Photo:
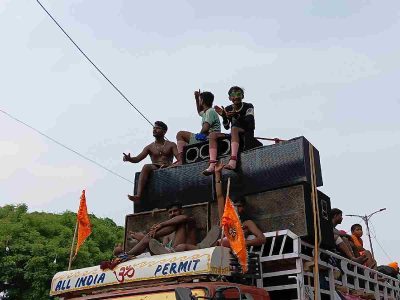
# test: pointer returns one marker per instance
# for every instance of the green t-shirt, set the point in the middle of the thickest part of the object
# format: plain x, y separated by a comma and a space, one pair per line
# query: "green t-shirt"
211, 117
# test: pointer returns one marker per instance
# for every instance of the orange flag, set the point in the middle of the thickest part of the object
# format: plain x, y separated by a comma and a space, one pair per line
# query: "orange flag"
84, 227
234, 232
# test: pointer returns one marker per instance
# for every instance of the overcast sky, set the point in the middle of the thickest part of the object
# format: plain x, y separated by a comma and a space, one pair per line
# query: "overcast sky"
328, 70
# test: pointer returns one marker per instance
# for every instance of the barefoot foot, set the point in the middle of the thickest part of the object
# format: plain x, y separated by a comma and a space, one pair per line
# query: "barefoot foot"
232, 164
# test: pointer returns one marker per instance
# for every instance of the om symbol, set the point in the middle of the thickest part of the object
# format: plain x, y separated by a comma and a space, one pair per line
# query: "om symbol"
127, 271
232, 232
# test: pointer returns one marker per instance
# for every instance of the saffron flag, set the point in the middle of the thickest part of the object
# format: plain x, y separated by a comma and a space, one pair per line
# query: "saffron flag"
84, 227
234, 233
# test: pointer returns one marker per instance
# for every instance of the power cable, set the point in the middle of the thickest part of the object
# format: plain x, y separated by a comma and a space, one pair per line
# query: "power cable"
66, 147
93, 64
379, 244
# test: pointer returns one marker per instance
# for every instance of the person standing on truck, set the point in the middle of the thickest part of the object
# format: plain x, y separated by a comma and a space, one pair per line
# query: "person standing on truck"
179, 229
209, 123
239, 116
161, 153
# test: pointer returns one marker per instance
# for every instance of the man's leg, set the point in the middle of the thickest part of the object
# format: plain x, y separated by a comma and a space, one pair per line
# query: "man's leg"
140, 247
182, 139
344, 249
213, 150
234, 147
370, 262
144, 175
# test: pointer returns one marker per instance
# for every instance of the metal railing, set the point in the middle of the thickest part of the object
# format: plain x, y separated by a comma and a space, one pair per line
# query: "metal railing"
287, 273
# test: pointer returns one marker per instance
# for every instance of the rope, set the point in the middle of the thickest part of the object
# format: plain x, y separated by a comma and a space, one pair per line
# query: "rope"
93, 64
66, 147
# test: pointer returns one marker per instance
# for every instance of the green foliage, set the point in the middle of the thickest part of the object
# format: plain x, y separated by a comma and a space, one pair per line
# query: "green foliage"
39, 245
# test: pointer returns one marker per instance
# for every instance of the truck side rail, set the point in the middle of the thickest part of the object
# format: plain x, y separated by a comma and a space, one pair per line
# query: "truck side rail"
287, 271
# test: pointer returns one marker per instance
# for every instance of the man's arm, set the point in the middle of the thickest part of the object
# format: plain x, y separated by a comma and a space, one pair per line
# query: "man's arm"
205, 128
136, 159
197, 98
249, 117
259, 236
175, 151
181, 219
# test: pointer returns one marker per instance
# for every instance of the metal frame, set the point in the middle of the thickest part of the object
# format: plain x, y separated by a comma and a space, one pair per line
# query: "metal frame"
285, 257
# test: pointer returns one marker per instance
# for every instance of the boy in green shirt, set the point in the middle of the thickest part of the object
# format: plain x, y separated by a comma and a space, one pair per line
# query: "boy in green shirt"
209, 123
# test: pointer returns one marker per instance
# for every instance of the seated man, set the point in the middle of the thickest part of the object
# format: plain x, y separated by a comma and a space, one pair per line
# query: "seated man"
240, 118
391, 269
342, 245
209, 123
179, 229
249, 227
161, 153
356, 234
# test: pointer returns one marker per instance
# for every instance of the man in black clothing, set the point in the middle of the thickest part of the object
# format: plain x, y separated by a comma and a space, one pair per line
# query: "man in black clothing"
239, 116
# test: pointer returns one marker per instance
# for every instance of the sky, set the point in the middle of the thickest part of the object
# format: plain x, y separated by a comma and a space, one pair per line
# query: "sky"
326, 70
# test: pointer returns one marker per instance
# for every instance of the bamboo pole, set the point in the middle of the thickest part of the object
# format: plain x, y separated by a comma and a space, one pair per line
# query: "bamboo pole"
222, 230
314, 200
72, 246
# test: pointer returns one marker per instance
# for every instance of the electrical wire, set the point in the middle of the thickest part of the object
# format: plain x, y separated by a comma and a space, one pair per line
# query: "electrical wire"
379, 244
66, 147
93, 64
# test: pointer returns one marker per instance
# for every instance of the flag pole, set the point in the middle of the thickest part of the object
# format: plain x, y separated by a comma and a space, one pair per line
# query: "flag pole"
72, 245
222, 230
228, 187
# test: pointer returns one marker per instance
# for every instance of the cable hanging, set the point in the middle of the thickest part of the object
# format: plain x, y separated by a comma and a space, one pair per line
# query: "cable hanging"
93, 64
66, 147
379, 244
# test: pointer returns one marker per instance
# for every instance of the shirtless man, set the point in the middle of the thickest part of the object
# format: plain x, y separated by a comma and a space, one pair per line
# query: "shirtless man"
179, 229
249, 226
161, 153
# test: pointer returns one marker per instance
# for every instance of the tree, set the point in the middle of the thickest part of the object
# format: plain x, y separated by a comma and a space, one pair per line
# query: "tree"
34, 246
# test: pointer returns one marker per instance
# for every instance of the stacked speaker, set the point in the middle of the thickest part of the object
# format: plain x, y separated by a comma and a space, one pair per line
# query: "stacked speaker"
275, 179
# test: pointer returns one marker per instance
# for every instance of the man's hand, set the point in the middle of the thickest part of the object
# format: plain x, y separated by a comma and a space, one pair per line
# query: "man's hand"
220, 110
127, 157
197, 94
230, 114
154, 229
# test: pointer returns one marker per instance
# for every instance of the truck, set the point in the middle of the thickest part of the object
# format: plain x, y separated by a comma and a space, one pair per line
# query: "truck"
297, 261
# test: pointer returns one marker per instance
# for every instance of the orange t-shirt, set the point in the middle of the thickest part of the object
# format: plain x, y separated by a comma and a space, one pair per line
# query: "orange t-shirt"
358, 242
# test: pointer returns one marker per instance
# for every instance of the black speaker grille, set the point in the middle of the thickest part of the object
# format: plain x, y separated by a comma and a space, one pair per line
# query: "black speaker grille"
260, 169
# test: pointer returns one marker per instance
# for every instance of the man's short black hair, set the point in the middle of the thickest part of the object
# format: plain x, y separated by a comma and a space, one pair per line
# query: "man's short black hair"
235, 88
161, 124
208, 98
177, 204
335, 212
355, 226
239, 199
